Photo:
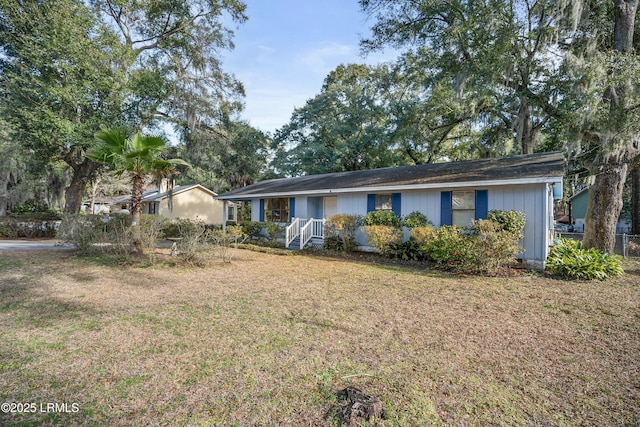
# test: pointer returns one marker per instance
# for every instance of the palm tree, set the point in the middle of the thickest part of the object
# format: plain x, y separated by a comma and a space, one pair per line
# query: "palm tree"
137, 156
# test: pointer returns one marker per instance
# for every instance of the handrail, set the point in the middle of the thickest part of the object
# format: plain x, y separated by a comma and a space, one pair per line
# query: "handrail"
293, 231
313, 228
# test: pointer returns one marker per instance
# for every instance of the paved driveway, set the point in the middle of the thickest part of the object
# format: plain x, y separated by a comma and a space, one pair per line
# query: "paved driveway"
31, 245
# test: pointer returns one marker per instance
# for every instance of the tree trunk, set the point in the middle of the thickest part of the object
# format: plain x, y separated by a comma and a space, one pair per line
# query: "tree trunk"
605, 204
625, 15
74, 192
605, 196
136, 212
635, 201
4, 196
525, 134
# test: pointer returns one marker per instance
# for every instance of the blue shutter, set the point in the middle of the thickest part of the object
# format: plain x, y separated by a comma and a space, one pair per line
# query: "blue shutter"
292, 208
261, 210
445, 208
396, 204
482, 204
371, 202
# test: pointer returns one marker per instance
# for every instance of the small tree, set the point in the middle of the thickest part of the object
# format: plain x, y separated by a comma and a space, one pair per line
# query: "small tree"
137, 156
344, 227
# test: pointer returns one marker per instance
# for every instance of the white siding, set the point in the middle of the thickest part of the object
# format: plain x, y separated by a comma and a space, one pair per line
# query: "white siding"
352, 204
427, 202
301, 207
532, 201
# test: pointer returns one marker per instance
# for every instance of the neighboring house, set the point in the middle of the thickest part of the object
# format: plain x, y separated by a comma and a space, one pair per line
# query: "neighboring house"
184, 202
100, 205
447, 193
578, 212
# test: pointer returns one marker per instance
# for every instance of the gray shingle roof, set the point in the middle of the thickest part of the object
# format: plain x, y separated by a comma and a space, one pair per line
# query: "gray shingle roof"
156, 196
523, 167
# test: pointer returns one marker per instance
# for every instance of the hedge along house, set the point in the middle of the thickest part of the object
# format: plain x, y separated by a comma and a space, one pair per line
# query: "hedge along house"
447, 193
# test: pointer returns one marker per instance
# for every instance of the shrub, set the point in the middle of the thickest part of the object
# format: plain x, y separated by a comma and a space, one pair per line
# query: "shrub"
28, 225
409, 250
35, 210
151, 231
448, 245
510, 221
417, 219
227, 240
383, 237
253, 230
387, 218
571, 260
491, 247
274, 231
423, 235
193, 235
83, 232
344, 227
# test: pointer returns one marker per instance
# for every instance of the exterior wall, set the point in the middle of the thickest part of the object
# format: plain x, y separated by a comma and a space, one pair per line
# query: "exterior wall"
579, 205
301, 207
534, 200
194, 204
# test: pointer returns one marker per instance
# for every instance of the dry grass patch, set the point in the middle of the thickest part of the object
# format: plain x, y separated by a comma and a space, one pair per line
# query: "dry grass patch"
269, 340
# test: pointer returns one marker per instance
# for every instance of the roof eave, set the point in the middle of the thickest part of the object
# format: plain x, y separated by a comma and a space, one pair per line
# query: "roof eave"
392, 188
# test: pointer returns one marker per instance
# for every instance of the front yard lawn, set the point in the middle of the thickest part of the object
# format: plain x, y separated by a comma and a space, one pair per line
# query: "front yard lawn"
270, 340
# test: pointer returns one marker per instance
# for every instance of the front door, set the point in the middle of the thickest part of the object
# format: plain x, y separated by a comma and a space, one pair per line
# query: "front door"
330, 206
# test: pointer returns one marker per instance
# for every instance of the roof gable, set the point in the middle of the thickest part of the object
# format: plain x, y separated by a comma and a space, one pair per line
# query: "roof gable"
532, 167
156, 196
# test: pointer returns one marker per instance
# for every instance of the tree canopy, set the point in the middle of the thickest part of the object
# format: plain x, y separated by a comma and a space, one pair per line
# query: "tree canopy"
70, 67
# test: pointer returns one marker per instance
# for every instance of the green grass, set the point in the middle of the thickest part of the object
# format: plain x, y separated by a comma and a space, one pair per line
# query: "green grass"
271, 340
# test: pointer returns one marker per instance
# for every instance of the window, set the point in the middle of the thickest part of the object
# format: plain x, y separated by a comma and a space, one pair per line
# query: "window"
384, 202
463, 208
276, 210
231, 213
152, 208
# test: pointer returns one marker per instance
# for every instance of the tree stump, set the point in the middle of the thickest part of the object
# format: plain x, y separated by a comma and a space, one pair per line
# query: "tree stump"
358, 406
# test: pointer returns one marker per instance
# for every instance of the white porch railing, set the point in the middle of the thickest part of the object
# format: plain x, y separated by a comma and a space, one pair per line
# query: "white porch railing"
293, 231
313, 228
305, 229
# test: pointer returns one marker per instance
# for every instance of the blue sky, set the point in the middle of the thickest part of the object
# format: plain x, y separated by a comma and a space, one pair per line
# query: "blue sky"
286, 49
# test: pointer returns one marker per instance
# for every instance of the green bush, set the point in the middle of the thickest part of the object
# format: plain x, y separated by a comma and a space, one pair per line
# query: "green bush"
253, 230
491, 247
344, 227
27, 225
36, 211
274, 231
387, 218
510, 221
335, 243
409, 250
417, 219
383, 237
448, 246
569, 259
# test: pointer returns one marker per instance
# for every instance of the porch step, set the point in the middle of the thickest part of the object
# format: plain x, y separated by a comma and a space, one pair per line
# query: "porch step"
316, 242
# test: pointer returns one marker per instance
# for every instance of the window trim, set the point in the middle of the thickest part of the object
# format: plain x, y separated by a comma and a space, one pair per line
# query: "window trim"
284, 212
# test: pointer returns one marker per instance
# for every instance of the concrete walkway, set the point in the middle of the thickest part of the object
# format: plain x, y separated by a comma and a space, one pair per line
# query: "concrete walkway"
31, 245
